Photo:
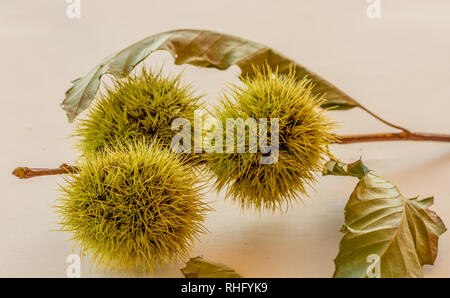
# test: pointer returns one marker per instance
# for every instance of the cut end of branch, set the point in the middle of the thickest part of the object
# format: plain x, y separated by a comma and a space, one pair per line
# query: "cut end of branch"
25, 172
21, 172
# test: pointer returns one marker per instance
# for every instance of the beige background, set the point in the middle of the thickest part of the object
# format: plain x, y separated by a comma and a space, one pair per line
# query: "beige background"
398, 66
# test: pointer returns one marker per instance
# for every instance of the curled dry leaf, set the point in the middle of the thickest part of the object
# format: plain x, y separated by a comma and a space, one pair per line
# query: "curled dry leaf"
200, 48
356, 169
385, 234
201, 268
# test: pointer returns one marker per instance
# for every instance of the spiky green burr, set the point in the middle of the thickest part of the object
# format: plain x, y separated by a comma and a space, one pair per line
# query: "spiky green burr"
142, 105
304, 134
133, 207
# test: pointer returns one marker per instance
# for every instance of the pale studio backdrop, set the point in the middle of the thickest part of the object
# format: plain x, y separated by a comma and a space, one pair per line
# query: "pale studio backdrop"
398, 66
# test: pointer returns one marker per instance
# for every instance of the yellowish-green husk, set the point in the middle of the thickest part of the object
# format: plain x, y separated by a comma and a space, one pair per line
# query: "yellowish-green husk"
304, 134
133, 207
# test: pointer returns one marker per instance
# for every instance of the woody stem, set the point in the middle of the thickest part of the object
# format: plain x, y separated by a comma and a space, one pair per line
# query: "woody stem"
25, 172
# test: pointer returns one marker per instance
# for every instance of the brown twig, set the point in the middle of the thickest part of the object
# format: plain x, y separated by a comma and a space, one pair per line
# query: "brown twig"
25, 173
402, 136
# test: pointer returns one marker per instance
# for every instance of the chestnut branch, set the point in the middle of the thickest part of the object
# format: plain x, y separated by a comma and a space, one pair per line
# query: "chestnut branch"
25, 172
401, 136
